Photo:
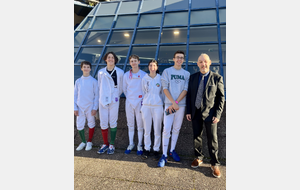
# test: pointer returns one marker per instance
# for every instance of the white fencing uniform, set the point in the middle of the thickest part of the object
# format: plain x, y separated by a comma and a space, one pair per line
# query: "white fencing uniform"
152, 110
132, 88
86, 97
175, 81
109, 97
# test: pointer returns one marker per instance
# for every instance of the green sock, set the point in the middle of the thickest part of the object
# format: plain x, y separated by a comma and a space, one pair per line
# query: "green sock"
82, 136
113, 132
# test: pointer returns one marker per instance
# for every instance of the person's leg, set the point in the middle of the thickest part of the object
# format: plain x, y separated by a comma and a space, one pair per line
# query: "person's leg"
197, 124
113, 117
168, 121
91, 124
130, 121
139, 123
178, 118
157, 121
147, 119
80, 122
104, 122
212, 142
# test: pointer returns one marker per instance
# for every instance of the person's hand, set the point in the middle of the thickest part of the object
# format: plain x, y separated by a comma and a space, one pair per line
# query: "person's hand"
189, 117
215, 120
175, 106
76, 113
170, 109
94, 112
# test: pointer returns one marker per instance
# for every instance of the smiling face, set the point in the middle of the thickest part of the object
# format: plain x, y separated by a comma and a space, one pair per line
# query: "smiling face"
110, 60
178, 59
134, 63
86, 69
152, 67
204, 63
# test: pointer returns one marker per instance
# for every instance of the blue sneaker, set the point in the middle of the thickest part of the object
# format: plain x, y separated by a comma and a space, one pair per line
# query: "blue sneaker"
139, 150
111, 149
129, 148
162, 161
103, 149
175, 156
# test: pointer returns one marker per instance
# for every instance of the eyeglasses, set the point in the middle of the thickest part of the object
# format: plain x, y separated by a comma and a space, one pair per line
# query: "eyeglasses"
179, 57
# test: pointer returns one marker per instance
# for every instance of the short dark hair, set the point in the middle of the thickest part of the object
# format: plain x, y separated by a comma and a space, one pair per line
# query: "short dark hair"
105, 57
153, 61
179, 51
85, 63
133, 56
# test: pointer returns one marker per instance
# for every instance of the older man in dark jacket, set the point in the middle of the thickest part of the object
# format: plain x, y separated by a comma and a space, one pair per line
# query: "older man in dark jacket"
204, 104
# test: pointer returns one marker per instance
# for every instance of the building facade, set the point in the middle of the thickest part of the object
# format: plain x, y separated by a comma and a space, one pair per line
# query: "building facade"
153, 29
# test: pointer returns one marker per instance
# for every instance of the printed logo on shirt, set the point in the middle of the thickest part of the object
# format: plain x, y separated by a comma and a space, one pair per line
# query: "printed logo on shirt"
157, 85
177, 78
116, 99
140, 96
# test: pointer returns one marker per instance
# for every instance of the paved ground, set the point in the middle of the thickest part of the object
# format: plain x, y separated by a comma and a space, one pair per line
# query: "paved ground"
120, 171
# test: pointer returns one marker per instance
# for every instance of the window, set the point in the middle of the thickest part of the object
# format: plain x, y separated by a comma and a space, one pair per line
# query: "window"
203, 17
78, 37
150, 20
176, 4
90, 54
166, 53
86, 23
121, 53
203, 34
107, 9
121, 37
96, 38
152, 36
103, 22
127, 21
174, 35
222, 15
211, 50
203, 3
129, 7
178, 18
152, 5
145, 53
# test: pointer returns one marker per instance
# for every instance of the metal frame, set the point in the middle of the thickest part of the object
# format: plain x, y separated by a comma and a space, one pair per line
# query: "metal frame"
161, 27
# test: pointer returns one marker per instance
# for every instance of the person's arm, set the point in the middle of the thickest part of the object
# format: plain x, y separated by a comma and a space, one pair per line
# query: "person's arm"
125, 84
75, 99
219, 101
188, 102
96, 98
121, 83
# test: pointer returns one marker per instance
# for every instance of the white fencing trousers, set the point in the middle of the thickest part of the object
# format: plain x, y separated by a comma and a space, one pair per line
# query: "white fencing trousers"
109, 113
130, 113
174, 119
155, 114
83, 115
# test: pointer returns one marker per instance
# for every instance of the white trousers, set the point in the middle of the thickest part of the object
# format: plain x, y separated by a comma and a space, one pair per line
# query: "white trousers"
155, 114
109, 114
132, 114
174, 119
83, 115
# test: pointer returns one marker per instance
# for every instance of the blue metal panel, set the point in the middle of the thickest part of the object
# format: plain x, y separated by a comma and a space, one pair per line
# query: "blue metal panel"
81, 44
107, 39
161, 26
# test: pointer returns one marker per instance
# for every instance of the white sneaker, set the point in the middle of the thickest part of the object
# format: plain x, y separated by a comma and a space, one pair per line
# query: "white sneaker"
88, 146
129, 148
81, 146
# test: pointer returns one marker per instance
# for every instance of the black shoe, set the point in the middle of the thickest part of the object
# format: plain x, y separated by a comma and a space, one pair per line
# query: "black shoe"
145, 154
156, 155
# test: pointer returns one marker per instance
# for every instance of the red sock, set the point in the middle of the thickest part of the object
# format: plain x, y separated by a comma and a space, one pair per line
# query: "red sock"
105, 135
91, 134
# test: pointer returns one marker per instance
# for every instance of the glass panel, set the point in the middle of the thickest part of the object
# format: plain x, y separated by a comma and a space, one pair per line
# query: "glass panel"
166, 53
107, 8
145, 53
89, 54
223, 52
96, 38
129, 7
150, 20
78, 72
174, 35
93, 10
210, 50
177, 4
75, 51
222, 3
142, 67
121, 53
223, 32
78, 37
222, 15
146, 36
203, 4
126, 21
201, 17
86, 24
204, 34
121, 37
151, 5
179, 18
194, 69
103, 22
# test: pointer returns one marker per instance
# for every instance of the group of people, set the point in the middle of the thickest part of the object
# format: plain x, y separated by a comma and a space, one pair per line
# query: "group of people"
152, 98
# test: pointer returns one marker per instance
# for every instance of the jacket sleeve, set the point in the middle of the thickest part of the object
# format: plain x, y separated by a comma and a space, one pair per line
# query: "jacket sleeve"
125, 84
220, 98
76, 95
96, 95
188, 98
165, 80
121, 82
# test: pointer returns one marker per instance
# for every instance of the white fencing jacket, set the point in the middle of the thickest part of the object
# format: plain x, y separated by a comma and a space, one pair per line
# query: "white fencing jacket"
107, 88
153, 91
86, 94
